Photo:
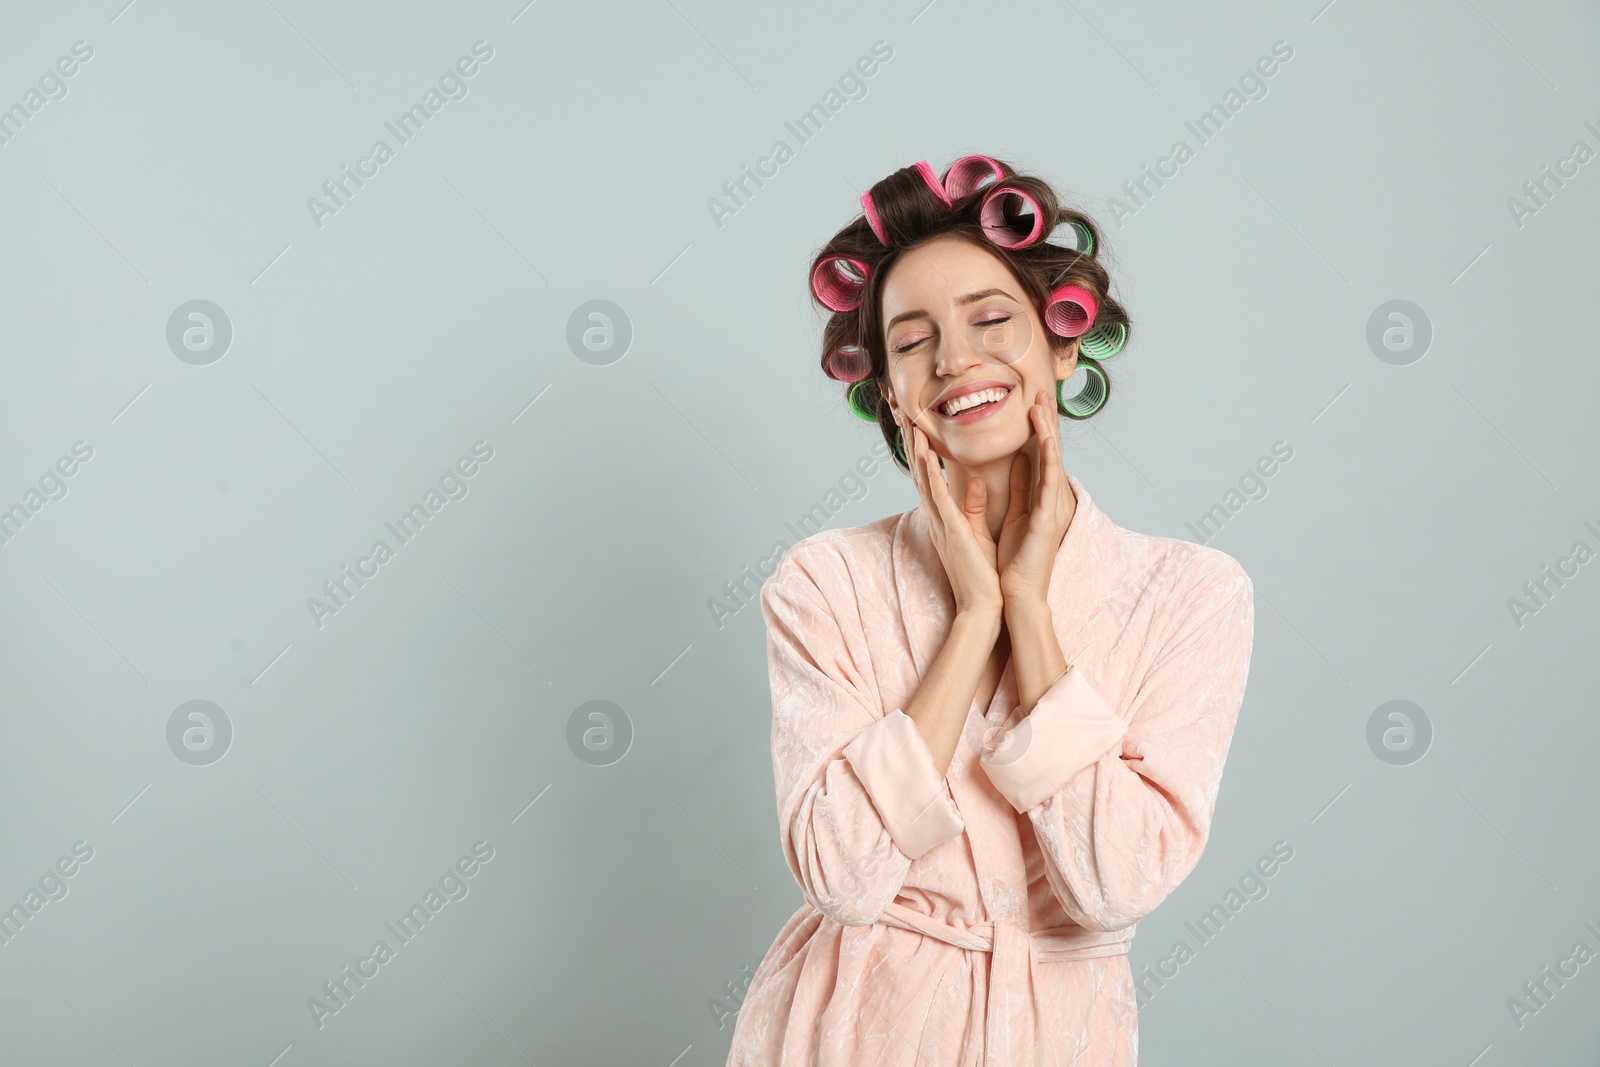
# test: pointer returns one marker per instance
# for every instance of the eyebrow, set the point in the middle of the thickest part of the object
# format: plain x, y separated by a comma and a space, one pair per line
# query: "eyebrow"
961, 301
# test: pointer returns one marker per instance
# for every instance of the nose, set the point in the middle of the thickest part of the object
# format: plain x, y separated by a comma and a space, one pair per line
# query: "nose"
958, 351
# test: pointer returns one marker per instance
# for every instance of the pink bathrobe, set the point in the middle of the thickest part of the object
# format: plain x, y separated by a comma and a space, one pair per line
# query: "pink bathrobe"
984, 917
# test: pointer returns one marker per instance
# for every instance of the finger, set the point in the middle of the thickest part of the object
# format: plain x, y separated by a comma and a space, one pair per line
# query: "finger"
1039, 424
919, 474
1048, 427
925, 480
973, 499
908, 439
1048, 431
1021, 482
976, 507
937, 487
908, 435
944, 508
978, 512
941, 489
1050, 470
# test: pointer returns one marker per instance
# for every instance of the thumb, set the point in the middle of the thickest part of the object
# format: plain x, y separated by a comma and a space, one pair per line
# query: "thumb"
976, 497
973, 505
1021, 487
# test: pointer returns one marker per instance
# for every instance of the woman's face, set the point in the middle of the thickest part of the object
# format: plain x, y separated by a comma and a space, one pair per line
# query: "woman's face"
954, 317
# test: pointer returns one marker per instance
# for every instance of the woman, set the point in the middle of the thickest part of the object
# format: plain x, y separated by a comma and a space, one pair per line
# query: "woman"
999, 719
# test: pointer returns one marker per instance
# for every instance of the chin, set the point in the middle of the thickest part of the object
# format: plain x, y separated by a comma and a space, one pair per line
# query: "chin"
987, 446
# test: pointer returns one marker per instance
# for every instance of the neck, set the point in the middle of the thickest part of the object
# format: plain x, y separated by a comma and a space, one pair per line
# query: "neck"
996, 477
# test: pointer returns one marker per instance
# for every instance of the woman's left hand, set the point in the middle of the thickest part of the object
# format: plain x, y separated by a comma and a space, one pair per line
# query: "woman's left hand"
1037, 516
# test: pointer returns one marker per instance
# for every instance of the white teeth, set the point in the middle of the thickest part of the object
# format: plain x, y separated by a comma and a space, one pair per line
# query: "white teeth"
971, 400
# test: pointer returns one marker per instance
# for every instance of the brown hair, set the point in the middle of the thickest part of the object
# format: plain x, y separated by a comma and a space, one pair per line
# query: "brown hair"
911, 213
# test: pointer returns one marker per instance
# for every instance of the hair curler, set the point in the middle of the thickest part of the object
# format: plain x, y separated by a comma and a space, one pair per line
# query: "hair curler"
849, 363
1073, 234
1104, 341
1090, 398
863, 400
1070, 310
1004, 207
925, 169
838, 282
966, 175
870, 209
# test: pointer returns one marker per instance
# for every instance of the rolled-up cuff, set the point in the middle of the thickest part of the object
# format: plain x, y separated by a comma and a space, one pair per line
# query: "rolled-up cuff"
894, 763
1069, 728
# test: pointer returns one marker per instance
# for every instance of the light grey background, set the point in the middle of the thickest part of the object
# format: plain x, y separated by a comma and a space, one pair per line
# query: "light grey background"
432, 711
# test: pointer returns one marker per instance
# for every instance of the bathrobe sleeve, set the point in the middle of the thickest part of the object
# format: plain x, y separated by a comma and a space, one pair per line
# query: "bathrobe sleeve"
859, 796
1122, 808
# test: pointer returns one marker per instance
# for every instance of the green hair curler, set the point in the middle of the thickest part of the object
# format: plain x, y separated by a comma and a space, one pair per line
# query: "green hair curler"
1070, 233
1089, 399
1104, 341
863, 398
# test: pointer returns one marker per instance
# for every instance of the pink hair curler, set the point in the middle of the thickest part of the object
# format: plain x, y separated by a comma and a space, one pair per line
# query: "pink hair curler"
1070, 310
966, 176
838, 282
925, 169
871, 212
849, 363
999, 224
870, 209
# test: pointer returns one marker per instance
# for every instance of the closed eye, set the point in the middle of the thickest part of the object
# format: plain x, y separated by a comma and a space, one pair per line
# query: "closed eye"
903, 349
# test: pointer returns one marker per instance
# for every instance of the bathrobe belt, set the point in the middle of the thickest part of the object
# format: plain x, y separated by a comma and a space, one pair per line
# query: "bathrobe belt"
1009, 1023
1048, 946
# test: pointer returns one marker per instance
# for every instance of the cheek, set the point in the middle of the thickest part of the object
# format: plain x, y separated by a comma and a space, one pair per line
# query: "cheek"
904, 385
1044, 375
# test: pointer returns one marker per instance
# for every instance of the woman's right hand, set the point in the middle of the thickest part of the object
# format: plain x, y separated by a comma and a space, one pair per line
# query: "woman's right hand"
960, 531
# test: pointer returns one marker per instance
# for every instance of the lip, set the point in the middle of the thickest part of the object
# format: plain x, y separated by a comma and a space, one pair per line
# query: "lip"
963, 390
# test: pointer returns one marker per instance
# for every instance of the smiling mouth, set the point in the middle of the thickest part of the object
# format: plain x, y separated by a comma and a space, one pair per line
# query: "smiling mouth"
974, 405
